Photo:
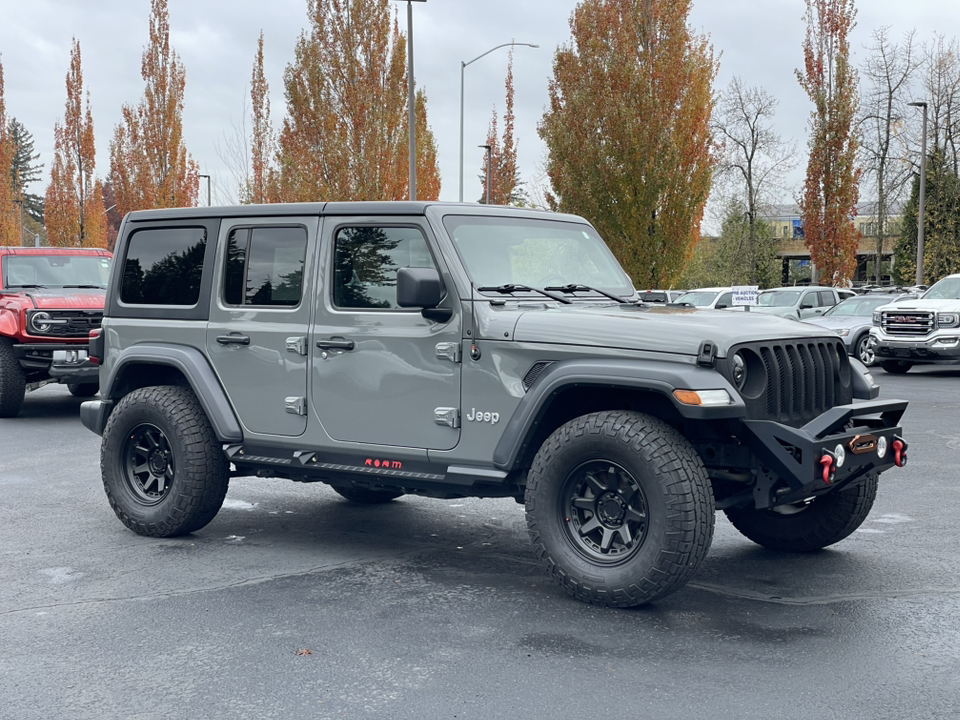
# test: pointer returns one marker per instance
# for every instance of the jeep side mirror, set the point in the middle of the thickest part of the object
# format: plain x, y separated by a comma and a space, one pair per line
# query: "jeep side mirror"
422, 288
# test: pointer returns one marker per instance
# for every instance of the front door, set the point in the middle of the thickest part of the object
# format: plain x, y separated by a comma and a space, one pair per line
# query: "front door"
260, 319
382, 374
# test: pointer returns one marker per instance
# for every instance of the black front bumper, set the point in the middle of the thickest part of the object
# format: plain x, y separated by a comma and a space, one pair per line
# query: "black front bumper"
793, 457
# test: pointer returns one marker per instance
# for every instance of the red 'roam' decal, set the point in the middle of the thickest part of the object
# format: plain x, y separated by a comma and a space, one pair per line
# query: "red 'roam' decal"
391, 464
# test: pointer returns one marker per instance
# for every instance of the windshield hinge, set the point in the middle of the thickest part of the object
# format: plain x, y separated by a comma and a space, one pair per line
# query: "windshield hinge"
707, 354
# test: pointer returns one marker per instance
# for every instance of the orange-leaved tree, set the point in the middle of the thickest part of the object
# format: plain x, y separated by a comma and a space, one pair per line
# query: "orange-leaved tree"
262, 142
345, 134
149, 163
74, 204
830, 192
9, 225
505, 185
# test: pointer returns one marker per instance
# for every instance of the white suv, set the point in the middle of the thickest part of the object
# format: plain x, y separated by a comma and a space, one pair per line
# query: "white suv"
925, 330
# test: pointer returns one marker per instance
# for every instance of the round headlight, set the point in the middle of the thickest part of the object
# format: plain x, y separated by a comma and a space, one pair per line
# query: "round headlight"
41, 322
882, 447
739, 371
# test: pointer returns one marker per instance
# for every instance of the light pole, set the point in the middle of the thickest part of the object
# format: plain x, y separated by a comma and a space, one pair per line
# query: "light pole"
19, 204
463, 66
923, 192
208, 187
489, 160
411, 102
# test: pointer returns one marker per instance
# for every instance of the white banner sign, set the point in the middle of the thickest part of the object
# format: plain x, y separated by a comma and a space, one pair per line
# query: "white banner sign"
745, 295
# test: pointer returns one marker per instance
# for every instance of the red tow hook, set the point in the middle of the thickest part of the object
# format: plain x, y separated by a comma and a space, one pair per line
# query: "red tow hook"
899, 452
829, 463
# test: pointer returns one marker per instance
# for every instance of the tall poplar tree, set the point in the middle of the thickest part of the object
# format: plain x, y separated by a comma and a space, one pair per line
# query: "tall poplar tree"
262, 142
74, 203
628, 131
830, 192
345, 134
9, 221
505, 185
149, 163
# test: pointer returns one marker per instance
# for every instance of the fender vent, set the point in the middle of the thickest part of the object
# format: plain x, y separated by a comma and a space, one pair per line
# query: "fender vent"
534, 372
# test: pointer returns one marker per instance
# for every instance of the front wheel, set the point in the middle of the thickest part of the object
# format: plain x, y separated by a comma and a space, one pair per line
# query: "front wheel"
896, 367
619, 508
13, 381
804, 527
863, 350
163, 469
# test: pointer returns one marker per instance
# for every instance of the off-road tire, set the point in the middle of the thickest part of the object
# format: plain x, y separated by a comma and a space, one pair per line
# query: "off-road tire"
13, 381
896, 367
166, 425
827, 519
83, 389
634, 466
367, 496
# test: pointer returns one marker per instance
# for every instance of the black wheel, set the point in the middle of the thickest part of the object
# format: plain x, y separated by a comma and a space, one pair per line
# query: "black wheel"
163, 469
13, 381
365, 495
619, 508
83, 389
863, 350
896, 367
804, 527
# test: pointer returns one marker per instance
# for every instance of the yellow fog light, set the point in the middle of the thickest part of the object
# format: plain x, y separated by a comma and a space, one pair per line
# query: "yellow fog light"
707, 398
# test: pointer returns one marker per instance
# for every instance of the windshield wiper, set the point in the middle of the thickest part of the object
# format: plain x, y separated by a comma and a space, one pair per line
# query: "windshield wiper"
512, 288
94, 287
576, 287
28, 285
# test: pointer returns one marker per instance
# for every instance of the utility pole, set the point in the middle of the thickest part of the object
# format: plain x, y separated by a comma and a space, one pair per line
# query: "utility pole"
208, 187
489, 150
923, 192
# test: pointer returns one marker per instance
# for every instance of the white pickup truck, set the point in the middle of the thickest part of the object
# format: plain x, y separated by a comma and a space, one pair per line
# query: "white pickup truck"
925, 330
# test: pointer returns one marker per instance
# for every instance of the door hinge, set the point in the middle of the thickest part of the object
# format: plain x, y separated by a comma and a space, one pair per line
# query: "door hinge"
447, 416
297, 345
295, 405
449, 351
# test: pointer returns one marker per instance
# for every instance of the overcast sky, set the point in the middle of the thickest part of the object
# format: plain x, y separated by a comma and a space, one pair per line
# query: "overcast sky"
757, 40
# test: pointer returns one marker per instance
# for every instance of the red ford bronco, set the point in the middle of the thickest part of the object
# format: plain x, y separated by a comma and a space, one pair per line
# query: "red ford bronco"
50, 299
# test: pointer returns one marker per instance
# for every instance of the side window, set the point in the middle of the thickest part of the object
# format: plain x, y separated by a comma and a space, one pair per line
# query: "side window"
827, 299
264, 266
724, 301
366, 260
808, 300
163, 266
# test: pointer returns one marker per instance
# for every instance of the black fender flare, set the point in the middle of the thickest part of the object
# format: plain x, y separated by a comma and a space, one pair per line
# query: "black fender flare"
195, 368
654, 375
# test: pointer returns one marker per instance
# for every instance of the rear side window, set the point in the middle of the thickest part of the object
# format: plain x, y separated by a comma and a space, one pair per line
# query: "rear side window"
265, 266
366, 260
827, 299
163, 266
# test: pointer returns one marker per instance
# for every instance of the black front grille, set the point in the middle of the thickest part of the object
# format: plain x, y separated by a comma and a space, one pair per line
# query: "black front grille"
67, 323
793, 381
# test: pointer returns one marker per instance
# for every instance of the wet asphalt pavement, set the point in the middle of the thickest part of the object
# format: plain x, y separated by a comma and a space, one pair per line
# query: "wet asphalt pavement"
294, 603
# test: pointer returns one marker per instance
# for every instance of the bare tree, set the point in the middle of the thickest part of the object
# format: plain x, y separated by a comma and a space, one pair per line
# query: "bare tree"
889, 69
754, 157
941, 84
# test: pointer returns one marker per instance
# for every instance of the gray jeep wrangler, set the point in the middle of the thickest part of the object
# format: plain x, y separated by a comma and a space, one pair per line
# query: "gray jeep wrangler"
452, 350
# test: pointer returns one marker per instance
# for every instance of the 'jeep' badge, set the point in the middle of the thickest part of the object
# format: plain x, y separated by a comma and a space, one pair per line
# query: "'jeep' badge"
477, 416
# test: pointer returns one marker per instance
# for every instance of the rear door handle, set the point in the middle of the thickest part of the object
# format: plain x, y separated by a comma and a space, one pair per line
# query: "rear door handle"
335, 343
233, 339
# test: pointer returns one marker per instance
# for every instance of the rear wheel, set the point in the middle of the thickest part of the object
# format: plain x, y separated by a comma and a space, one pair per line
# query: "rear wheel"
365, 495
163, 469
804, 527
896, 367
619, 508
83, 389
13, 381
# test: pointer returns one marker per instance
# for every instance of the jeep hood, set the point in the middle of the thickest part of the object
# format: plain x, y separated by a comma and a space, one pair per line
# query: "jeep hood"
67, 298
668, 330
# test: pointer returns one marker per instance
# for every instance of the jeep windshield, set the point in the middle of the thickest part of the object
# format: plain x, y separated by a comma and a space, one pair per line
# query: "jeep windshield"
778, 298
55, 271
500, 251
946, 289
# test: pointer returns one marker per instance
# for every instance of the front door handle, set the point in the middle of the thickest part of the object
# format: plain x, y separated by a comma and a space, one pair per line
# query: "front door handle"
233, 339
335, 343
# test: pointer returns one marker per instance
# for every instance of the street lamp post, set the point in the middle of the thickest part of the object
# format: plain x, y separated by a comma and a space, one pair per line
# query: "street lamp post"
923, 192
411, 103
19, 204
489, 150
463, 66
208, 187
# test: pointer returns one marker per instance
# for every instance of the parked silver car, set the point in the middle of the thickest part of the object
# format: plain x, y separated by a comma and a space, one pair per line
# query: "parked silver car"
799, 302
852, 320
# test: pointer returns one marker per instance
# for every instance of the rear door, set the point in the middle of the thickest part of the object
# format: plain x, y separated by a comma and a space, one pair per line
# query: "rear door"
260, 318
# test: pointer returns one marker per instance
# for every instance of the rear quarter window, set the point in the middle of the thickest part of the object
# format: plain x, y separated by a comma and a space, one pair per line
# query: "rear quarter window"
163, 266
